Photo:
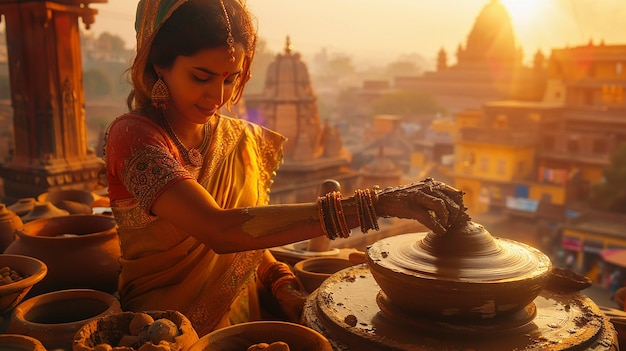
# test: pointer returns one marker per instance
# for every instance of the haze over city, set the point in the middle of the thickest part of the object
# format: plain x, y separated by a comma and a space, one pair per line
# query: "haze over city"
382, 31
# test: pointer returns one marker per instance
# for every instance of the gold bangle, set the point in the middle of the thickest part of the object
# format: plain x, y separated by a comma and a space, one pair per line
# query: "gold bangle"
358, 194
372, 210
333, 214
322, 217
365, 210
345, 231
272, 272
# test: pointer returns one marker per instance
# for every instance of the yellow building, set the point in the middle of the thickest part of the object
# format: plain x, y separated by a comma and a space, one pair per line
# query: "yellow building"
594, 80
496, 153
518, 156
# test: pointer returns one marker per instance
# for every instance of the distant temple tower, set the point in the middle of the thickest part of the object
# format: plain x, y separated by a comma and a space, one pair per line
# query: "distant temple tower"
45, 67
313, 152
491, 41
488, 68
381, 171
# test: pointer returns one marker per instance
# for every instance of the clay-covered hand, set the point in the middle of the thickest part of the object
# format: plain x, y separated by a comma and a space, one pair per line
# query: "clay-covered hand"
291, 300
435, 204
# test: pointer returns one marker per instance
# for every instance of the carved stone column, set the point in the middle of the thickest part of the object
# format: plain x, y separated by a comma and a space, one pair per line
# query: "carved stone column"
50, 151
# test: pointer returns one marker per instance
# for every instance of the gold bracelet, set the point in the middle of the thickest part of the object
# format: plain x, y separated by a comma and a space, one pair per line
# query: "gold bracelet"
359, 209
371, 210
345, 231
322, 217
365, 210
268, 274
330, 198
282, 281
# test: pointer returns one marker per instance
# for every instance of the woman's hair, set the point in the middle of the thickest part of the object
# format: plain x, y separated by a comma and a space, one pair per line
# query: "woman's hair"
194, 26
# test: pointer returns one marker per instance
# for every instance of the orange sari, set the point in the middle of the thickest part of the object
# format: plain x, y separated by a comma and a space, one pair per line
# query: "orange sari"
162, 267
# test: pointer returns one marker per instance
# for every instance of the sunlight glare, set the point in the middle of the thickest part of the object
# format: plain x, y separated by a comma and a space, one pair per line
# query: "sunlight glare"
524, 12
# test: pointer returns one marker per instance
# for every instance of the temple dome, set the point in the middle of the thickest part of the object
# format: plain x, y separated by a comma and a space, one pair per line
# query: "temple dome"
288, 77
492, 36
381, 171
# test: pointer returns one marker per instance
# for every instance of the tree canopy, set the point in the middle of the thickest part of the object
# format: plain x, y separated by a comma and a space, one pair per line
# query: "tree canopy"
96, 83
409, 104
610, 194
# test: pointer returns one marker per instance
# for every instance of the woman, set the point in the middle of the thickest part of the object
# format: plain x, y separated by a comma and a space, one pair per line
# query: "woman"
189, 187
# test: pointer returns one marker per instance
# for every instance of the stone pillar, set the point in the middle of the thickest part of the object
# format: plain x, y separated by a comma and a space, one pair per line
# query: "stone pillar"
46, 77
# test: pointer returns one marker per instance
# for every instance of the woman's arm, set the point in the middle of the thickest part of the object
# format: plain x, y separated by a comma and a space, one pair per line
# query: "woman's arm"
188, 206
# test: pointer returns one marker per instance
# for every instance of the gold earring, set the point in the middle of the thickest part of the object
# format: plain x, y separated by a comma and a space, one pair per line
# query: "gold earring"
160, 94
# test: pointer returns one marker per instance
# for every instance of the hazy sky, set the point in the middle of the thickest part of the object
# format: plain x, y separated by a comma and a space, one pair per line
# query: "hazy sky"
383, 30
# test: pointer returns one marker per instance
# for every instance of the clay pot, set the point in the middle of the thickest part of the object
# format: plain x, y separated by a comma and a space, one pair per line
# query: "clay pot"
15, 342
43, 210
55, 317
101, 199
32, 272
464, 274
71, 200
111, 329
81, 251
75, 195
241, 336
22, 206
9, 223
313, 271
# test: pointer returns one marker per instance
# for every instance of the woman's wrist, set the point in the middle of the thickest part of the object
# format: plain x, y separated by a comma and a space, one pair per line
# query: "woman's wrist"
275, 275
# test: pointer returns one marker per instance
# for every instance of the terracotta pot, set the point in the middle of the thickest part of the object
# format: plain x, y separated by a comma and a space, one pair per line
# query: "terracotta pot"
111, 329
313, 271
80, 196
55, 317
43, 210
9, 223
462, 275
73, 201
241, 336
22, 206
101, 199
81, 251
32, 272
15, 342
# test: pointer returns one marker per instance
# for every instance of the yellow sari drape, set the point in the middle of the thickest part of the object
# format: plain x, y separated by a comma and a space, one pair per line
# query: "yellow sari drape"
164, 268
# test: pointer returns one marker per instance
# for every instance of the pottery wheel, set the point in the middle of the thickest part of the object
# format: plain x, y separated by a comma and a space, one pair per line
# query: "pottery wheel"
346, 310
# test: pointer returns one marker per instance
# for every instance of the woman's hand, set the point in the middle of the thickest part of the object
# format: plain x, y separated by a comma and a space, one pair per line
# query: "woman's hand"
291, 300
435, 204
285, 288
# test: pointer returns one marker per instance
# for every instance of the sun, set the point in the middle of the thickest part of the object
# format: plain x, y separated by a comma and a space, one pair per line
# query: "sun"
524, 12
529, 19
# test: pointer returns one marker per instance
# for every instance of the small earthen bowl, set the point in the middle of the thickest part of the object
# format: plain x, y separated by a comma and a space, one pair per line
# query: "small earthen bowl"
54, 317
112, 328
241, 336
313, 271
475, 279
74, 195
16, 342
32, 271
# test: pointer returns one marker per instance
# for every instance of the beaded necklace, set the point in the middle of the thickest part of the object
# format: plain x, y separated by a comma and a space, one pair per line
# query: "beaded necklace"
194, 155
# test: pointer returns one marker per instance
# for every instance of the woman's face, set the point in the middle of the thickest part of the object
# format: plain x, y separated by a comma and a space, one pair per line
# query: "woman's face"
200, 84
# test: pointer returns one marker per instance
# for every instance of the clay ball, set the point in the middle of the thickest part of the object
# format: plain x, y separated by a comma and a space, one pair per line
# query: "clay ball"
139, 322
162, 330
